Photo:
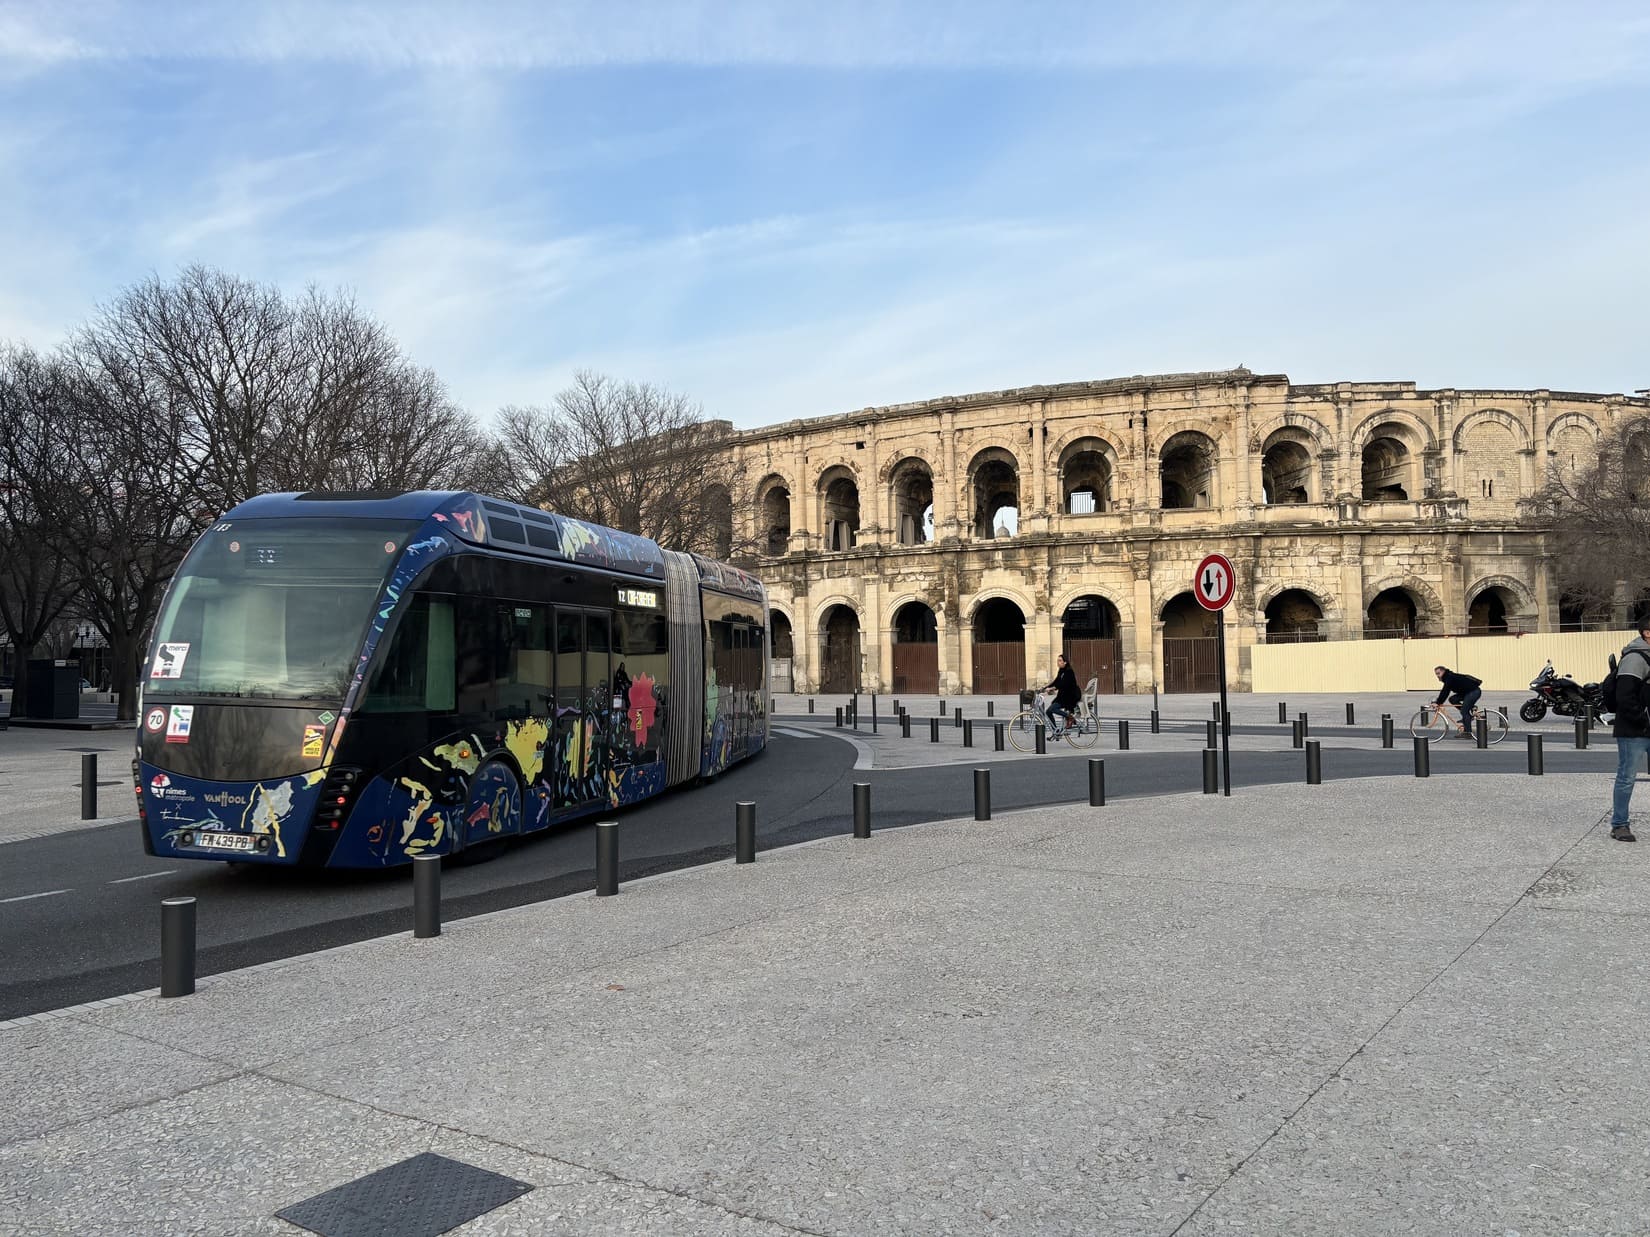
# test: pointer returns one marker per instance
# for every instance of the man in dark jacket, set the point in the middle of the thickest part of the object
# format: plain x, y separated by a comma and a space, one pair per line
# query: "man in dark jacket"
1066, 691
1632, 727
1461, 689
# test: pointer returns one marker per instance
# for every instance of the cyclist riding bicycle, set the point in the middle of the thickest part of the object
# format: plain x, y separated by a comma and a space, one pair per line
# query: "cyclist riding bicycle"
1461, 689
1066, 692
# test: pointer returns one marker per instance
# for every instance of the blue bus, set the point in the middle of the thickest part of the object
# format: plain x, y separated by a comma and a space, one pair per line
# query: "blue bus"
351, 680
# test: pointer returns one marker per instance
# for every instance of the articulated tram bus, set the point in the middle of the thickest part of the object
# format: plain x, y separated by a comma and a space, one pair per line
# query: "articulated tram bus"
352, 680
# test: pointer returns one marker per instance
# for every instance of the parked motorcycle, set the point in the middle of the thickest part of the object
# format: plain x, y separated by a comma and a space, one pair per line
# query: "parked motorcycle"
1564, 696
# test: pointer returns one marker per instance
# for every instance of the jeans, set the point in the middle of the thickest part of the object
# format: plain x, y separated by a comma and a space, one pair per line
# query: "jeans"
1466, 700
1630, 754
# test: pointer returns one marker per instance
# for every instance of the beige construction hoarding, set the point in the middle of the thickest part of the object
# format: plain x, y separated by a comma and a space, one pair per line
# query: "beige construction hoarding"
1505, 663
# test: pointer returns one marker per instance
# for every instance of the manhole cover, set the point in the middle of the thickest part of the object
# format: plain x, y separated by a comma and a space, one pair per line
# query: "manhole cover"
420, 1197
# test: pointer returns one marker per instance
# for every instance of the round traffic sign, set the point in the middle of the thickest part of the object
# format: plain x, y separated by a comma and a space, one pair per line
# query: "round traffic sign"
1214, 582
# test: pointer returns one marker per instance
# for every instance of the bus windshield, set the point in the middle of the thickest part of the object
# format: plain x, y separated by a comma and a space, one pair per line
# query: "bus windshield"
272, 609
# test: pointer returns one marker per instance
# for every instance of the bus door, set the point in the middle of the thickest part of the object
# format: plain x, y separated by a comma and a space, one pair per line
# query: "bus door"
583, 640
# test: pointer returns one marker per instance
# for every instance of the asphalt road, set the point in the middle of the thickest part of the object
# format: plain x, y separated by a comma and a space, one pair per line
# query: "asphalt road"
79, 911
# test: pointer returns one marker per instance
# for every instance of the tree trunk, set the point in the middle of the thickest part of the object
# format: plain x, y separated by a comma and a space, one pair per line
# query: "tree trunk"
20, 681
123, 654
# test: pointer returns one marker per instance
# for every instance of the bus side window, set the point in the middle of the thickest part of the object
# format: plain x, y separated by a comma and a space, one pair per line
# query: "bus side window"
528, 681
597, 644
415, 674
478, 655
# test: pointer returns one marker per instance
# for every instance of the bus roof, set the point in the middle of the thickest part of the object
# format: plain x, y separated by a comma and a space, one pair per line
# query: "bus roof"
476, 519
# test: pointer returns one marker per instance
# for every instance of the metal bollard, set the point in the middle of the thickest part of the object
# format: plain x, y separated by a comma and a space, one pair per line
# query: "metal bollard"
991, 708
1215, 707
1502, 709
1283, 712
1211, 771
1386, 730
1581, 732
1314, 763
1226, 723
862, 809
88, 786
1042, 739
982, 794
1423, 757
810, 704
956, 718
426, 896
1210, 739
1481, 733
905, 725
1157, 726
607, 858
998, 741
1350, 717
744, 832
1122, 734
1297, 736
873, 713
1306, 728
177, 946
1097, 782
1532, 750
968, 733
839, 717
933, 730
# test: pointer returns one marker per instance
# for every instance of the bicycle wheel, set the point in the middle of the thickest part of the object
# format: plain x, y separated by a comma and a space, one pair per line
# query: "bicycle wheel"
1429, 724
1022, 731
1083, 733
1498, 725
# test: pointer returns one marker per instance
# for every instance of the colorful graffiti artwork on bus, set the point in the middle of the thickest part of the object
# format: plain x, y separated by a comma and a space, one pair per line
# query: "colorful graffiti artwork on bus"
186, 805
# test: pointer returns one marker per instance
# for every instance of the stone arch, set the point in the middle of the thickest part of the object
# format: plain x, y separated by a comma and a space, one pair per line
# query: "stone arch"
1188, 465
1326, 600
837, 599
901, 454
1390, 459
840, 632
1320, 434
1293, 615
1516, 601
998, 643
1216, 432
1087, 465
775, 513
1419, 432
1428, 606
914, 645
901, 600
1119, 446
994, 487
1572, 443
910, 484
1119, 601
779, 623
1289, 467
999, 593
839, 501
1499, 416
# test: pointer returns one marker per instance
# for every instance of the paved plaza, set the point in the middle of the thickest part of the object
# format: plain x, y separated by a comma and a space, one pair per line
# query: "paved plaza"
1374, 1006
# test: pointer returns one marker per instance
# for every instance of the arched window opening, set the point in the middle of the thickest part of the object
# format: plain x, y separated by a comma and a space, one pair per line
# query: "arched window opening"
1293, 617
913, 490
1085, 482
1188, 471
780, 627
1191, 654
776, 519
1090, 630
1286, 474
915, 623
1183, 618
1387, 472
996, 497
1392, 615
781, 677
841, 511
916, 649
999, 648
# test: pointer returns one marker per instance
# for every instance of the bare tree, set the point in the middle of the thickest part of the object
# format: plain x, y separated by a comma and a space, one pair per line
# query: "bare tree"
36, 582
1599, 519
627, 455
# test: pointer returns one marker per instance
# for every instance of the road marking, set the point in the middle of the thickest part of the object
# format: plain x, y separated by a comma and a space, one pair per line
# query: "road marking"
794, 734
124, 880
50, 893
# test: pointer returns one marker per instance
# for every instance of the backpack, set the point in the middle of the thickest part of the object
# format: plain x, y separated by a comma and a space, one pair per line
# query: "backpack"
1607, 687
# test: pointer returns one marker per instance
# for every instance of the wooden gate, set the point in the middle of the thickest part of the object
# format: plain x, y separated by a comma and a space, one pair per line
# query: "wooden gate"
841, 668
1191, 664
999, 668
917, 669
1097, 659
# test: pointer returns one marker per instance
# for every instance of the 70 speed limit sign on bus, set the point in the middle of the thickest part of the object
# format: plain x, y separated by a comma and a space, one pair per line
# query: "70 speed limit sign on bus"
1214, 582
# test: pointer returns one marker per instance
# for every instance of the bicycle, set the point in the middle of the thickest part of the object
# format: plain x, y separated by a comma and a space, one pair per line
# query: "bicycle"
1081, 732
1431, 722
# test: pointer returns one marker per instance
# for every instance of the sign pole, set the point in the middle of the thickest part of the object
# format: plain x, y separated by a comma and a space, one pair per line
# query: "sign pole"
1225, 727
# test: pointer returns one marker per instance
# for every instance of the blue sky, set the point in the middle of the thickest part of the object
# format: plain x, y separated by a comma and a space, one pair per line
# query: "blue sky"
787, 209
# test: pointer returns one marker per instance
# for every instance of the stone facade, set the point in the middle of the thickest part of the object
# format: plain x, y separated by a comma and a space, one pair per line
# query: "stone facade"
956, 544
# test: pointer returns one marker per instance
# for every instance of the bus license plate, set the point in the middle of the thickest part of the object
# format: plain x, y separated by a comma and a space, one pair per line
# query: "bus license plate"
225, 841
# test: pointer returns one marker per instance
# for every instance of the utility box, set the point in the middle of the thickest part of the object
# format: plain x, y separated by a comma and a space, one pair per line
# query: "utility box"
54, 690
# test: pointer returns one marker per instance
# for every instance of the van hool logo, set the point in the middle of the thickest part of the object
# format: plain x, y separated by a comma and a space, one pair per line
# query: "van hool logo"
224, 798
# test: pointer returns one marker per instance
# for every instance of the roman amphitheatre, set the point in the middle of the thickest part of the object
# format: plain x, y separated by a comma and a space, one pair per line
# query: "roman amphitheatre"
952, 545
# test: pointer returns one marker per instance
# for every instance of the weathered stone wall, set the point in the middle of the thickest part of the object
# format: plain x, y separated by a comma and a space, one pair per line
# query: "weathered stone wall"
1351, 494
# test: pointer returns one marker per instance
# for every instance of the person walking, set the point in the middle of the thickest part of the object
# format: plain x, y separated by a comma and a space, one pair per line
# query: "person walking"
1632, 727
1461, 689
